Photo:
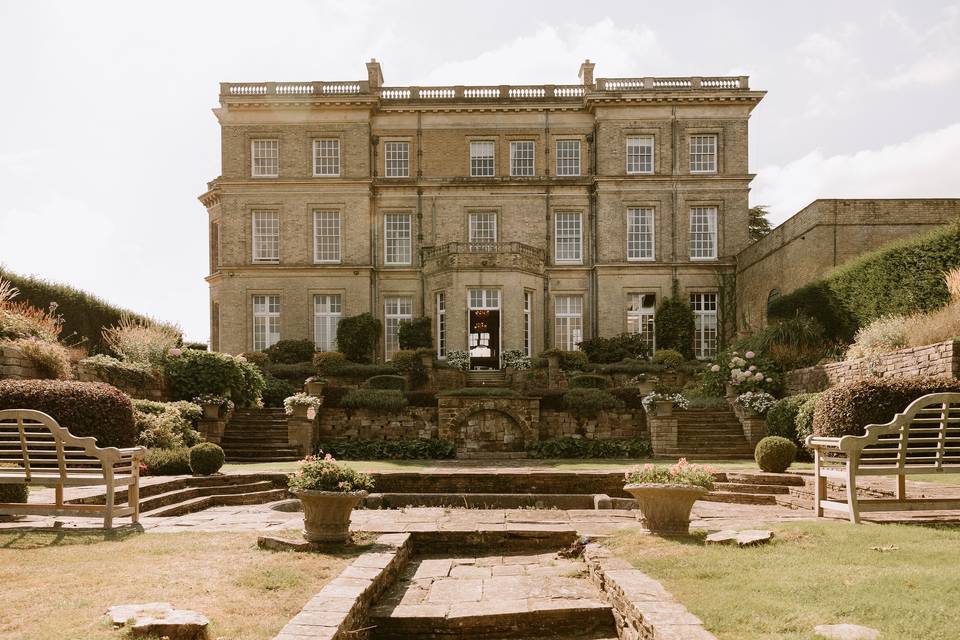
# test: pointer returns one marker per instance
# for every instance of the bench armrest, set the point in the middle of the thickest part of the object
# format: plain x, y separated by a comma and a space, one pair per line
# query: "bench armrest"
133, 453
823, 442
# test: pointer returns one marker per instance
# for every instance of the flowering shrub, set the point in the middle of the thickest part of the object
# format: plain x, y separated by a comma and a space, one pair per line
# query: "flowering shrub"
301, 400
196, 373
166, 425
50, 359
883, 335
650, 400
458, 359
23, 320
680, 473
756, 401
147, 344
515, 359
211, 398
325, 474
747, 372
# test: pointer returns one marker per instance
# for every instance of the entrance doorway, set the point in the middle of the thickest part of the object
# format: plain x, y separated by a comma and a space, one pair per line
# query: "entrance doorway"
483, 328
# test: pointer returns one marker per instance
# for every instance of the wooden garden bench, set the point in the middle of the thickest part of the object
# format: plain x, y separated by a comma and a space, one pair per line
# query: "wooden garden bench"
925, 438
35, 450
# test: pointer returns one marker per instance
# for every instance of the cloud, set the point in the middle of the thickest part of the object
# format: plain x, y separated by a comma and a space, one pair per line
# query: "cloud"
921, 167
554, 53
822, 52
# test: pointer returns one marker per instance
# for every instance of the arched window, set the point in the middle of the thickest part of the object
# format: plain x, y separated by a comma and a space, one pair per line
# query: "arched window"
773, 295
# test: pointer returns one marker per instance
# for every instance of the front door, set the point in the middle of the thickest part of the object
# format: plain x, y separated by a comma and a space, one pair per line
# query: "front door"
483, 328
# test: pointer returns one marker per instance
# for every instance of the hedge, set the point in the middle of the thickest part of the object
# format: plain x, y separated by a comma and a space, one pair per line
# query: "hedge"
357, 371
84, 408
674, 326
608, 350
590, 402
416, 449
481, 392
901, 278
168, 462
399, 383
85, 316
847, 408
415, 334
357, 337
196, 373
782, 417
569, 447
374, 400
290, 351
276, 391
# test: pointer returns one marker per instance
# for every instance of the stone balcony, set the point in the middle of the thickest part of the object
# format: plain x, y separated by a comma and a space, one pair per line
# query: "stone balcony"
460, 256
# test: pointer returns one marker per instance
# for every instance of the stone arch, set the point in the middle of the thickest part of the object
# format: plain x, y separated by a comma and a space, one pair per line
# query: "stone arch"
488, 430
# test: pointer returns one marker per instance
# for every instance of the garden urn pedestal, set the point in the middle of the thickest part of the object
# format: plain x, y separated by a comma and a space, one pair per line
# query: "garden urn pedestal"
663, 408
731, 391
314, 389
326, 514
211, 411
665, 508
303, 412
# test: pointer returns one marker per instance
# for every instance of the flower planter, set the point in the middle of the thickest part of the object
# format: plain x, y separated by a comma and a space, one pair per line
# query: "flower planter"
326, 514
211, 411
427, 361
663, 408
665, 508
314, 389
302, 412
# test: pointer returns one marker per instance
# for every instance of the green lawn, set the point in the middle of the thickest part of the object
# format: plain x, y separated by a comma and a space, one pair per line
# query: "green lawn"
895, 578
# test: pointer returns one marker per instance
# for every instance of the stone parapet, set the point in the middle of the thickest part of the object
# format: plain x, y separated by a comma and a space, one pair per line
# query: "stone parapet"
154, 389
365, 424
663, 434
940, 359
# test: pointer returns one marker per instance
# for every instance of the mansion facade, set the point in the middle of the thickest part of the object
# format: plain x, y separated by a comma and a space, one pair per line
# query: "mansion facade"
515, 217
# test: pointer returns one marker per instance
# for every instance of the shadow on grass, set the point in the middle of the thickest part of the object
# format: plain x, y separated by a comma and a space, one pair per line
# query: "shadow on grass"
26, 538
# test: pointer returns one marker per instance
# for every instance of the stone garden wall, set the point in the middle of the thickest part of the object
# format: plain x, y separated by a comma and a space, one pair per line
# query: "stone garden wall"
941, 359
151, 390
14, 364
608, 425
364, 424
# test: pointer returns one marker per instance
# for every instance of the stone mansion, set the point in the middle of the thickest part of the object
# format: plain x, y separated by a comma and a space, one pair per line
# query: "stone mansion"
515, 217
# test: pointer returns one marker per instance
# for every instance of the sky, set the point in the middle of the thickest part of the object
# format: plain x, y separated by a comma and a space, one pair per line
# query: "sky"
107, 138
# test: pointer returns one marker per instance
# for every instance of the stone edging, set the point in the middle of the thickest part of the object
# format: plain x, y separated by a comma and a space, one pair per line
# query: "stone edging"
342, 604
643, 609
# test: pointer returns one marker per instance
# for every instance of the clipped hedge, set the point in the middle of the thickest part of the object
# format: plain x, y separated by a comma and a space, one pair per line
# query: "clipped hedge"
276, 391
569, 360
603, 350
782, 417
85, 316
415, 334
399, 383
84, 408
774, 454
569, 447
290, 351
847, 408
901, 278
589, 381
206, 458
357, 371
357, 337
374, 400
480, 392
168, 462
414, 449
590, 402
197, 373
674, 326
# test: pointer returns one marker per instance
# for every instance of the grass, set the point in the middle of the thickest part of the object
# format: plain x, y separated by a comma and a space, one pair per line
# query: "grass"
61, 584
894, 578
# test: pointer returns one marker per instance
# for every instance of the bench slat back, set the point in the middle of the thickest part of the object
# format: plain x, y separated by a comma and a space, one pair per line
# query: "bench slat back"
35, 443
925, 436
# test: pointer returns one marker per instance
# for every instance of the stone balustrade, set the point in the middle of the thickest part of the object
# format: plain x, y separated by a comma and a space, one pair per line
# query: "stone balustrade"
483, 255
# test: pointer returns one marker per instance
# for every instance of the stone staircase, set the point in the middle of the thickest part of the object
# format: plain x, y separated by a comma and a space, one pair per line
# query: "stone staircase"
714, 434
180, 496
754, 487
486, 378
258, 435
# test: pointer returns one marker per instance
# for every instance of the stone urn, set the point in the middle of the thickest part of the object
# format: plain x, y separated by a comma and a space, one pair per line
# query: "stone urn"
426, 359
211, 411
314, 388
326, 514
302, 412
663, 408
665, 508
731, 390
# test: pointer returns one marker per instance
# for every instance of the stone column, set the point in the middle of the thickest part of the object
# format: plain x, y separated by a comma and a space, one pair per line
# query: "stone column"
303, 433
754, 429
212, 430
663, 434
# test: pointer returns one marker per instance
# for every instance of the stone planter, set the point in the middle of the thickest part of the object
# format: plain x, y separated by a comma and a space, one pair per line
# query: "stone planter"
314, 389
326, 514
211, 411
302, 412
427, 361
663, 408
731, 391
665, 508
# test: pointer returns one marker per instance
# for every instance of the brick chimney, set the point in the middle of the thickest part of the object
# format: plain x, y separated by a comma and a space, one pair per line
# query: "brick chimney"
586, 73
374, 74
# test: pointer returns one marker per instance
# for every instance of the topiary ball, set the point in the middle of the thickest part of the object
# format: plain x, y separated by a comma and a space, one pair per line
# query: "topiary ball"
669, 358
774, 454
206, 458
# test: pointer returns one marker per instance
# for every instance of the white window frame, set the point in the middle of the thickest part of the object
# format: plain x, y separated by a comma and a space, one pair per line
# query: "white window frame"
641, 314
703, 159
703, 230
266, 320
327, 313
516, 157
565, 234
265, 243
397, 238
482, 221
326, 224
326, 165
568, 163
641, 243
396, 309
528, 323
481, 164
441, 302
706, 324
567, 321
638, 162
396, 159
267, 151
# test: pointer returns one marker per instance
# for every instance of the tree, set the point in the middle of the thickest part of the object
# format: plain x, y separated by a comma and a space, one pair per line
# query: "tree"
357, 337
674, 326
415, 334
759, 226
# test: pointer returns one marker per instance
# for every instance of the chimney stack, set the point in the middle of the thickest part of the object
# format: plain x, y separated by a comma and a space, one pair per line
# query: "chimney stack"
374, 74
586, 73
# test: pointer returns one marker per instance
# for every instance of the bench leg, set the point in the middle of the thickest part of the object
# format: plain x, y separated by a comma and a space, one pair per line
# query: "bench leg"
819, 486
108, 514
852, 502
133, 500
901, 487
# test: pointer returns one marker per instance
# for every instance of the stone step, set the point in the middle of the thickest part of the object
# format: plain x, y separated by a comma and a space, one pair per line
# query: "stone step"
480, 500
266, 458
740, 498
271, 441
220, 500
179, 496
769, 489
759, 477
148, 490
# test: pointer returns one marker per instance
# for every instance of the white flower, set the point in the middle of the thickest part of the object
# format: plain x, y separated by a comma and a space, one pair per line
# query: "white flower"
759, 376
715, 368
753, 367
769, 379
749, 354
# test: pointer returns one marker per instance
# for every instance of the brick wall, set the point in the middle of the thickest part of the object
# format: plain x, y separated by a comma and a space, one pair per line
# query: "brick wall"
941, 359
14, 364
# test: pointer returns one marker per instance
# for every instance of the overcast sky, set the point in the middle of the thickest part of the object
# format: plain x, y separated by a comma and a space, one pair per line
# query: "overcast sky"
106, 135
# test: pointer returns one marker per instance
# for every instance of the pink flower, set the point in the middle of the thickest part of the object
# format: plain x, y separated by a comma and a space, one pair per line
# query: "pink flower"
759, 376
715, 368
328, 458
753, 367
749, 354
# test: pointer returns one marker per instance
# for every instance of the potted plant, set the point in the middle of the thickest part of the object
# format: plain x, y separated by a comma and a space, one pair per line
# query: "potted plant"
213, 405
661, 404
300, 405
328, 492
754, 404
314, 385
665, 495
